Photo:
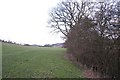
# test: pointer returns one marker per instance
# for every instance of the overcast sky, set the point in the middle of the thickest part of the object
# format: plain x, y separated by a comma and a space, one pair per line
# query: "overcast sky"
25, 21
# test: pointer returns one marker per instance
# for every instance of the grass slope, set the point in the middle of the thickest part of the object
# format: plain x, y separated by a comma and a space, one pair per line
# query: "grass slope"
36, 62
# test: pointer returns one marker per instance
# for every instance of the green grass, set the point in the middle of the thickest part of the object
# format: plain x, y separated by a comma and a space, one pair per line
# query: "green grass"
36, 62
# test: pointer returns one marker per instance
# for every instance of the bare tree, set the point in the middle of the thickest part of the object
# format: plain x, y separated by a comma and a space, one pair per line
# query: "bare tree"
67, 14
107, 19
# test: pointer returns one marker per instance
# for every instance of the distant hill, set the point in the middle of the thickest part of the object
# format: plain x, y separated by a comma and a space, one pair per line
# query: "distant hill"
46, 45
58, 45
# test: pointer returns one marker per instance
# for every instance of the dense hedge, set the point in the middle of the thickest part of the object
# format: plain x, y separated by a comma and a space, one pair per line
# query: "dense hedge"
96, 52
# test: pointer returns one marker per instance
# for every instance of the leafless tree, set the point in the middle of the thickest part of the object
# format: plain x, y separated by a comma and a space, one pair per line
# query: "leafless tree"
67, 14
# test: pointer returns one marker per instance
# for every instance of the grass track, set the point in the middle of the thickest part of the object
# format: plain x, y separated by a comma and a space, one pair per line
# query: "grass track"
36, 62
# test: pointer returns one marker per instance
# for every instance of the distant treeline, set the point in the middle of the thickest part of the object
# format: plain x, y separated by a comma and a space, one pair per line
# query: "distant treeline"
5, 41
46, 45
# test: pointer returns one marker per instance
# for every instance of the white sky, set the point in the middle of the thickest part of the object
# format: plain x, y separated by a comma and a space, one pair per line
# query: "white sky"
25, 21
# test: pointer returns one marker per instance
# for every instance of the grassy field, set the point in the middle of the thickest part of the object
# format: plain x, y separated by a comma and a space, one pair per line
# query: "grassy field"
36, 62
